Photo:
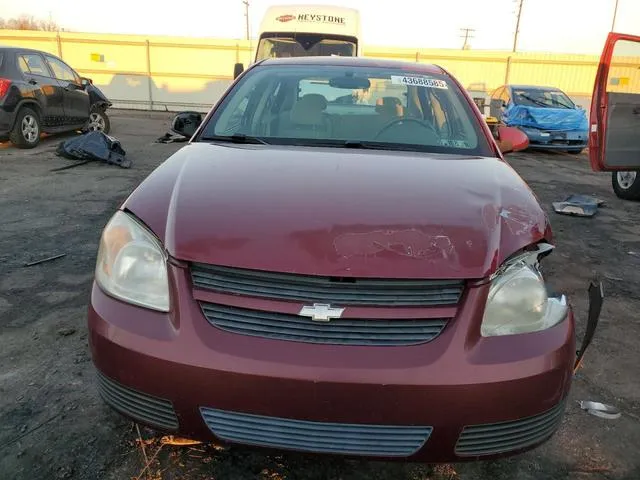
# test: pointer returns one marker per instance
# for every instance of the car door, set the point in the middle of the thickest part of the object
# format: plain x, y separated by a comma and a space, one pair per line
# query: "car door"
496, 103
46, 89
76, 99
614, 143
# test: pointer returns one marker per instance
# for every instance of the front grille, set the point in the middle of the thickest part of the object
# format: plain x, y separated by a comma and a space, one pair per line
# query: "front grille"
495, 438
282, 326
316, 437
139, 406
567, 142
341, 291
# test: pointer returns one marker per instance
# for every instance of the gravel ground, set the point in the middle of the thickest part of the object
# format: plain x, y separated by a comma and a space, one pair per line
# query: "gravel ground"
53, 424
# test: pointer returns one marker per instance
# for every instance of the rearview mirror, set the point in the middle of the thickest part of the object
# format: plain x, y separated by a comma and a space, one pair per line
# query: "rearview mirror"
350, 83
511, 139
238, 68
186, 123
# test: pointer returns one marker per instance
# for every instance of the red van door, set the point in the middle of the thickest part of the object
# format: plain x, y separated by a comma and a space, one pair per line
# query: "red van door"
614, 140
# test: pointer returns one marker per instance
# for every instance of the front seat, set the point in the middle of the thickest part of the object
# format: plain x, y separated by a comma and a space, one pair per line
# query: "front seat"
307, 118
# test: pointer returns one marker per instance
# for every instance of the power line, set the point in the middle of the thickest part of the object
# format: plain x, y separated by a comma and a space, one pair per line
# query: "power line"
615, 12
515, 35
466, 35
246, 14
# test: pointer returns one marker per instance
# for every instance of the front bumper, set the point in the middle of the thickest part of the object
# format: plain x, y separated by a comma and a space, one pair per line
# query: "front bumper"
556, 139
458, 397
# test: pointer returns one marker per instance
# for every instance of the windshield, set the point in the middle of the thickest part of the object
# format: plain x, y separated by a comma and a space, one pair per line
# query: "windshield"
347, 106
537, 97
278, 45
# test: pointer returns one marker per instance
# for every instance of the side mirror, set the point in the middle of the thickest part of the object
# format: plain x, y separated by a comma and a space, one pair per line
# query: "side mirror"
238, 68
186, 123
85, 82
511, 139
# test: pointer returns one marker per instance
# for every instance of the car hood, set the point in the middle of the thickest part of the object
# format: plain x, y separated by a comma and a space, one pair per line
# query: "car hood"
339, 212
545, 118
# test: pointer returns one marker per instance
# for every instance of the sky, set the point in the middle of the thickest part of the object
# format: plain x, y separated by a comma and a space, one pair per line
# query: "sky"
569, 26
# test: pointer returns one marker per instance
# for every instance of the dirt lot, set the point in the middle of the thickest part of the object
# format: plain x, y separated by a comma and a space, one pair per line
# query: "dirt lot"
53, 424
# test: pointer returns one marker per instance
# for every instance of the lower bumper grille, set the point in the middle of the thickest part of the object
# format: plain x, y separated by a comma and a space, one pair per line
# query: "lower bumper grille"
316, 437
280, 326
139, 406
495, 438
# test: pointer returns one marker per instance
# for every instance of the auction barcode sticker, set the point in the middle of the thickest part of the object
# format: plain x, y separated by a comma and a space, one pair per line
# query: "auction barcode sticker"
418, 81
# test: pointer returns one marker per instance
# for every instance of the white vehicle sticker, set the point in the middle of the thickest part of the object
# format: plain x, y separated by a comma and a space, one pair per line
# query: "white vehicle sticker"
418, 81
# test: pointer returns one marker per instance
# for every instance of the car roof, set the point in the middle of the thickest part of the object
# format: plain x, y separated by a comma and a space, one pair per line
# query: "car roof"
356, 62
7, 48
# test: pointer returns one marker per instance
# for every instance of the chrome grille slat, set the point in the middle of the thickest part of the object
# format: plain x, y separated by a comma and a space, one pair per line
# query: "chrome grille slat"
502, 437
140, 406
319, 294
307, 288
282, 326
321, 437
277, 320
136, 404
506, 446
514, 429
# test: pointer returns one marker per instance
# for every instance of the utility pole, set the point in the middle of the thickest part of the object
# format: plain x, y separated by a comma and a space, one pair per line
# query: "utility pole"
615, 12
515, 35
246, 15
466, 35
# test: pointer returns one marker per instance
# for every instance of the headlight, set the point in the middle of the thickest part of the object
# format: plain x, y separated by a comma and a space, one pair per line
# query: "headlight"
518, 302
132, 265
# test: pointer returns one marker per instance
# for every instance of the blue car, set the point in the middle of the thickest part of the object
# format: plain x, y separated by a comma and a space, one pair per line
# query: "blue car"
545, 114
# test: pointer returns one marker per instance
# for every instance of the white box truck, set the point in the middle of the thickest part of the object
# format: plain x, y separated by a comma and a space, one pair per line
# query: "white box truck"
306, 31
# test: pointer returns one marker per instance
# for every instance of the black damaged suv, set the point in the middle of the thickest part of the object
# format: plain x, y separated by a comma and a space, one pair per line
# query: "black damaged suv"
39, 93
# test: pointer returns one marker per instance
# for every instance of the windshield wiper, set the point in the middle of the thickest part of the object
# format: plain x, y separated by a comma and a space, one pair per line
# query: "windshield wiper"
358, 144
564, 105
237, 138
533, 100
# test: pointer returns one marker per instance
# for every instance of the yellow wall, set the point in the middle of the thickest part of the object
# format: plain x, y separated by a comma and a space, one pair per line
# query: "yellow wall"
179, 72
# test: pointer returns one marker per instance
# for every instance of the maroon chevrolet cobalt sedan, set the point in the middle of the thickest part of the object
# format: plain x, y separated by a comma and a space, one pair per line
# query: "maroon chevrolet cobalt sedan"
340, 261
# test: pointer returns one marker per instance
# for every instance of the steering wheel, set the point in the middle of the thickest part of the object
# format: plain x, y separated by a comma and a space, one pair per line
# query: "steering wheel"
400, 120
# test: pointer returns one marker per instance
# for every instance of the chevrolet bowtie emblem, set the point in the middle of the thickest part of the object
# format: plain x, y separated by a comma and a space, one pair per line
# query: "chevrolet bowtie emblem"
321, 312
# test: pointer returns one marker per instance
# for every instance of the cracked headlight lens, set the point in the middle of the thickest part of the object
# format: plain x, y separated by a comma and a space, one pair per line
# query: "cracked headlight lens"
518, 303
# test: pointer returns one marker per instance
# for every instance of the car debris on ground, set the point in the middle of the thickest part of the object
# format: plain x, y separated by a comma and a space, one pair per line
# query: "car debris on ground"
578, 205
43, 260
172, 138
93, 146
601, 410
183, 126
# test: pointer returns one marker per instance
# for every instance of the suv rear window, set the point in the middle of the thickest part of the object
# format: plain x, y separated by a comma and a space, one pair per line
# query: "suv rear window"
34, 64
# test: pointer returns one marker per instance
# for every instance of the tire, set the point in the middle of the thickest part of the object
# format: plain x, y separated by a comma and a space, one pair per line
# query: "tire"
26, 130
98, 121
626, 185
575, 151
